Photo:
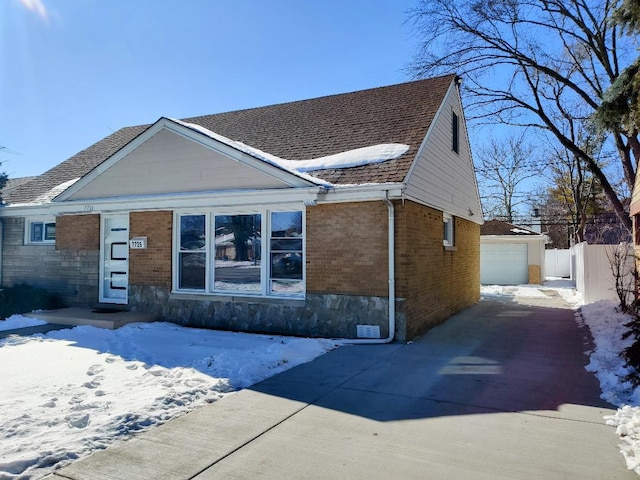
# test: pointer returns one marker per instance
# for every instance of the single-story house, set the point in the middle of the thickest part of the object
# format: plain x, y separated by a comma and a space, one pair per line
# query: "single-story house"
511, 255
354, 215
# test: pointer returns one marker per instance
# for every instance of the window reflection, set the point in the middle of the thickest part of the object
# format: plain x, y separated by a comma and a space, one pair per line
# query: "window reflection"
237, 258
286, 252
192, 258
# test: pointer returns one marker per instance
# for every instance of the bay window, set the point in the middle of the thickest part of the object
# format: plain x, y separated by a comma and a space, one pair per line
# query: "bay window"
223, 252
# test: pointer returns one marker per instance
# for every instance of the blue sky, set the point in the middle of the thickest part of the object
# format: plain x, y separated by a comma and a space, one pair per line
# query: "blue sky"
74, 71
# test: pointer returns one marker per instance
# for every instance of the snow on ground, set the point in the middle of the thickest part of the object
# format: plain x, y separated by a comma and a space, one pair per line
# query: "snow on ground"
607, 325
498, 291
70, 392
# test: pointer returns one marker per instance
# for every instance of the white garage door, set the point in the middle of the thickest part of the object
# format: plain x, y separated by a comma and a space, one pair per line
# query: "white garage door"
504, 264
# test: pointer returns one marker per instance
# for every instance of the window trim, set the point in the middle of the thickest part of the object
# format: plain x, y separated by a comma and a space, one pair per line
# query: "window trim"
449, 234
265, 251
29, 222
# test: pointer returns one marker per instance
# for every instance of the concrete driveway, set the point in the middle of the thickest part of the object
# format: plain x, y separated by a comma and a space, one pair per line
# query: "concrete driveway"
497, 392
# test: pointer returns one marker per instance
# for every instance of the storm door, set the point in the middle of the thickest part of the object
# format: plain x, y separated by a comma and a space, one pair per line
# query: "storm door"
114, 254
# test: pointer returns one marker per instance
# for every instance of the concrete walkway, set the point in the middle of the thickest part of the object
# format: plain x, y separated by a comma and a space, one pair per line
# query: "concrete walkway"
497, 392
25, 331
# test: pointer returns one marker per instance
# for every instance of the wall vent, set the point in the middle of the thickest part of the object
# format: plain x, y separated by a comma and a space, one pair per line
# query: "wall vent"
368, 331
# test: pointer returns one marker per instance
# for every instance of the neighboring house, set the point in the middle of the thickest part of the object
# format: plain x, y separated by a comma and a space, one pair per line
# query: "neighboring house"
354, 215
511, 255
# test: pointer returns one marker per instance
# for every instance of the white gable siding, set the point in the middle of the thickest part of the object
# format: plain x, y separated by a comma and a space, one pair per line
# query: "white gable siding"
171, 163
441, 178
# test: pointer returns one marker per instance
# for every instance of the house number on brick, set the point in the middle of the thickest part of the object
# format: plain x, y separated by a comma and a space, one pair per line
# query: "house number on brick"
138, 243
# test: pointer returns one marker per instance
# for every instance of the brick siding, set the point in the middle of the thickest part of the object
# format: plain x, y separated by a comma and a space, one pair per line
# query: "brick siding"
78, 232
435, 282
347, 256
347, 249
347, 253
151, 266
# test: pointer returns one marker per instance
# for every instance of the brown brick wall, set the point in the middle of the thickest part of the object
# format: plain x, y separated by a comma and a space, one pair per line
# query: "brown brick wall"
78, 232
434, 281
347, 249
151, 266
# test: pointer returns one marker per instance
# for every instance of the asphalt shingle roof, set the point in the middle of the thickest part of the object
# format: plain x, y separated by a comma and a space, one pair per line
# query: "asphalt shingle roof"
298, 130
499, 227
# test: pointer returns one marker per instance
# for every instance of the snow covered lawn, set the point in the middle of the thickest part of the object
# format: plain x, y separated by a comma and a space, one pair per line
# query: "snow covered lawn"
71, 392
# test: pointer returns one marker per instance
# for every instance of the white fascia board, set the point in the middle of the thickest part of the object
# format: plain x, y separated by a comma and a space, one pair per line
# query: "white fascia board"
362, 193
307, 195
511, 238
164, 123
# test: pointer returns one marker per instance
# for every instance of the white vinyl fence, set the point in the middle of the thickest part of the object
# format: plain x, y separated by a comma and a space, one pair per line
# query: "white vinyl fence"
591, 270
557, 263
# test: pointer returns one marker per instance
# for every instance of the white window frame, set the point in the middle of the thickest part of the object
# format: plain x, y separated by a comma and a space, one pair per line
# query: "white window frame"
265, 280
448, 230
35, 220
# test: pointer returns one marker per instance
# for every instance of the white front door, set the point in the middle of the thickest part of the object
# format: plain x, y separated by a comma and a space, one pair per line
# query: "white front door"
114, 255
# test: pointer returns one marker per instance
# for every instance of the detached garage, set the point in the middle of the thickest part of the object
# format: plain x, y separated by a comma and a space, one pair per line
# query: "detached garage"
510, 255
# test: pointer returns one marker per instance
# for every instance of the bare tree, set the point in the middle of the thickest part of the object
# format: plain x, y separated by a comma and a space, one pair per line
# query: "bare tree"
533, 63
503, 169
574, 187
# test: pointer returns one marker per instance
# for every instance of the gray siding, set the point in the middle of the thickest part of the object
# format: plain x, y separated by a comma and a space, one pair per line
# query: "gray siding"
441, 178
170, 163
71, 273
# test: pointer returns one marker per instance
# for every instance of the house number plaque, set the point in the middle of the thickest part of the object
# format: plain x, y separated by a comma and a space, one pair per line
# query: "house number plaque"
138, 243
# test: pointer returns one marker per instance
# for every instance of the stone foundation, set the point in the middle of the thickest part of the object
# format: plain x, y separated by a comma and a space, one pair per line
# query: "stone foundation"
318, 315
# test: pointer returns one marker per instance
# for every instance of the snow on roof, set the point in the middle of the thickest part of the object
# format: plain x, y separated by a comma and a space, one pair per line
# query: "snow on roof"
254, 152
521, 230
49, 195
351, 158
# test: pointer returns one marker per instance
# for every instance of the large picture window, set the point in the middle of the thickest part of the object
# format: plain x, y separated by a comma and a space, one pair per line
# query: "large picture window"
222, 252
238, 249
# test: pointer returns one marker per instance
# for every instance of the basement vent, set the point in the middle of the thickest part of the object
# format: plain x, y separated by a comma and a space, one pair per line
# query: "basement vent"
368, 331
